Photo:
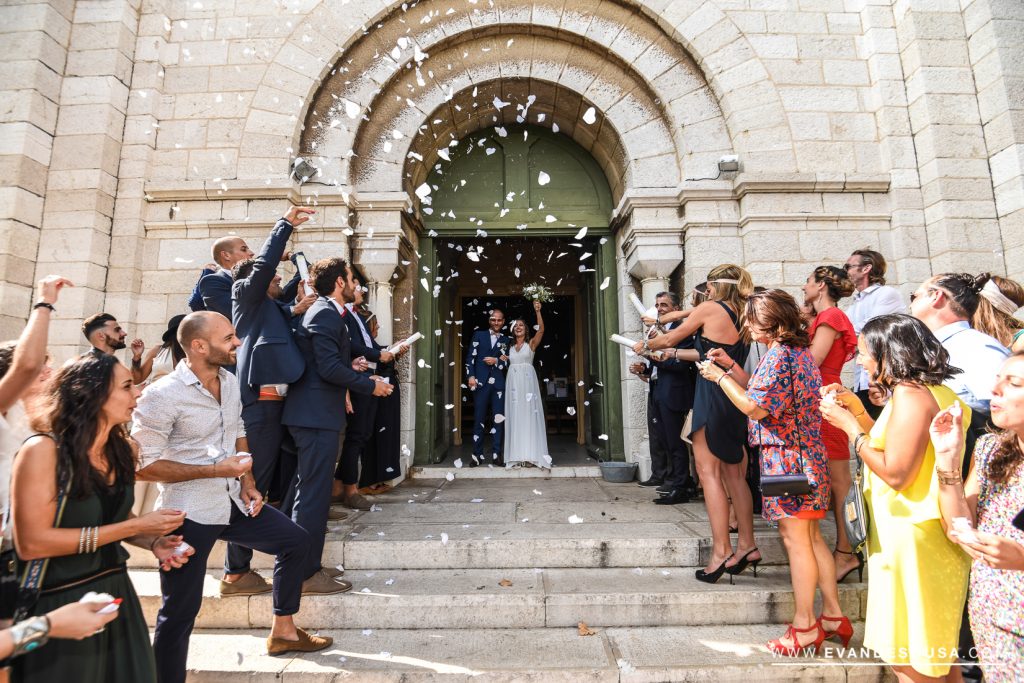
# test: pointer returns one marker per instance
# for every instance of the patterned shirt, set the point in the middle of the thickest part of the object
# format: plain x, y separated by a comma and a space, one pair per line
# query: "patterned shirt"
178, 419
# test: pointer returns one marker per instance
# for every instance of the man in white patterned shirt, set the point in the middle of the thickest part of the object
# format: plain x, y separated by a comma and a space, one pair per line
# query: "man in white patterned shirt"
866, 268
189, 427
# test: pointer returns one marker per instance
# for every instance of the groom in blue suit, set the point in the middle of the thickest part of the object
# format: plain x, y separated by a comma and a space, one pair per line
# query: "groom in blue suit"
488, 360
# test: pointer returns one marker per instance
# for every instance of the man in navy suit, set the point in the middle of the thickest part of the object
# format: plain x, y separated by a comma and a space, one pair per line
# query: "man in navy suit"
315, 408
673, 383
268, 361
212, 291
361, 424
488, 360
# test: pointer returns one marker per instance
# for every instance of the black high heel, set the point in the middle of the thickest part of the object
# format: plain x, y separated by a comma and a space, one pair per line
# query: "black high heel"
712, 577
859, 567
738, 568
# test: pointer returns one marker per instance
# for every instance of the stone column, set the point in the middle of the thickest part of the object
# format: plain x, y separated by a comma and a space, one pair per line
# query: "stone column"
82, 180
995, 38
381, 245
953, 164
37, 35
650, 239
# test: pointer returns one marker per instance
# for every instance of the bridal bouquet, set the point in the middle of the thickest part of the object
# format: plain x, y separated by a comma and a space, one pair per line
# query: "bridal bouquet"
535, 292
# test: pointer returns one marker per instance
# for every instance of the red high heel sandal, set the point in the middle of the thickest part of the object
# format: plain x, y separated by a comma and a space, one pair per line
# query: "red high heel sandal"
796, 649
845, 630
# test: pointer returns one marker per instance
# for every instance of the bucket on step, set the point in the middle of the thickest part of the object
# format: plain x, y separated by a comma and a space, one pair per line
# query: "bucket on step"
618, 472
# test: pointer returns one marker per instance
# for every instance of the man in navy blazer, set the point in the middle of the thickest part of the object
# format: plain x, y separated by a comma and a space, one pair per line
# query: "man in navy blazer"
361, 424
488, 360
315, 408
673, 384
268, 361
212, 291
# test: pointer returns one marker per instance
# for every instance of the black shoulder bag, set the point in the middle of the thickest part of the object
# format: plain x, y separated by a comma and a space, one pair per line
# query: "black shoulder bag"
776, 485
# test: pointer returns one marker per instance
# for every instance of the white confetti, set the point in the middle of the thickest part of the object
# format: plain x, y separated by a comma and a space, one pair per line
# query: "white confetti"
499, 418
575, 520
444, 538
477, 500
539, 493
443, 153
590, 116
423, 191
580, 235
570, 410
458, 462
351, 109
449, 476
550, 219
367, 631
603, 437
607, 281
498, 104
543, 178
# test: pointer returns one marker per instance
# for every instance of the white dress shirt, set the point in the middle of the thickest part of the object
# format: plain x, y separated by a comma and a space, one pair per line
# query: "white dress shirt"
178, 419
870, 303
979, 356
367, 339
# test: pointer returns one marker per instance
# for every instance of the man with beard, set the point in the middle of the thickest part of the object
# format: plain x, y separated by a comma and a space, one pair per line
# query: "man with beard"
315, 409
192, 441
104, 333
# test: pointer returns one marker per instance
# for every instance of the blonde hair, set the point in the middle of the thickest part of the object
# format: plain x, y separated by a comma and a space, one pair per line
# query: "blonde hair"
994, 322
734, 294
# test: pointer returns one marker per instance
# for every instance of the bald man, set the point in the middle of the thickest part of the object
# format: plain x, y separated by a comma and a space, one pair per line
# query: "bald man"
192, 440
213, 289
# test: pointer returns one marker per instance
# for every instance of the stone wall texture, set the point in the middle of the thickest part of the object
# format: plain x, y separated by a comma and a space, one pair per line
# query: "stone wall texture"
135, 132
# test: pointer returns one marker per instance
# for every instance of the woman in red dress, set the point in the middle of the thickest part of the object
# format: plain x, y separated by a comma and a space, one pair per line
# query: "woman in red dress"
833, 343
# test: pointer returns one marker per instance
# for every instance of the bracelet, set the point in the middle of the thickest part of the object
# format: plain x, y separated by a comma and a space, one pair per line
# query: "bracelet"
30, 634
858, 441
949, 478
43, 304
719, 382
861, 413
81, 540
731, 368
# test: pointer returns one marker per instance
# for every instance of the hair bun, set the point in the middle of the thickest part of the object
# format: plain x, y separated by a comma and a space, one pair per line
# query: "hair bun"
979, 281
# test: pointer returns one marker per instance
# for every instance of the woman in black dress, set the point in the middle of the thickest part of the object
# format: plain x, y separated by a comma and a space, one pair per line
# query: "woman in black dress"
85, 450
381, 459
719, 430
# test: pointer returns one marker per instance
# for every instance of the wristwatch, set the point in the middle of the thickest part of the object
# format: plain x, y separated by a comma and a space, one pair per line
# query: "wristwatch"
30, 634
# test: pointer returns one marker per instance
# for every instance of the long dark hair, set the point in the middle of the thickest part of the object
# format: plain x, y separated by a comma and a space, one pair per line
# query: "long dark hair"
778, 315
906, 351
76, 398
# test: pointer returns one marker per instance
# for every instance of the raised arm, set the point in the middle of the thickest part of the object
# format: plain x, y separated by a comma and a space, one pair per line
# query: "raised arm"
255, 286
30, 352
694, 321
535, 342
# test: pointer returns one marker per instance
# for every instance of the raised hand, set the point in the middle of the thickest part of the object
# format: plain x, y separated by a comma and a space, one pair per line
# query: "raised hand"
536, 305
947, 435
304, 301
297, 215
138, 346
49, 288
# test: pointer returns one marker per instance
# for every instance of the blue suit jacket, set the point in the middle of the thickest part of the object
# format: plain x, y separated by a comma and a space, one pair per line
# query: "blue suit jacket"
268, 354
677, 381
317, 400
214, 292
358, 344
480, 349
195, 299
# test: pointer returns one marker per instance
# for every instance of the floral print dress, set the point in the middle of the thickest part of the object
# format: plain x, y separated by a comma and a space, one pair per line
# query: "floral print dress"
788, 375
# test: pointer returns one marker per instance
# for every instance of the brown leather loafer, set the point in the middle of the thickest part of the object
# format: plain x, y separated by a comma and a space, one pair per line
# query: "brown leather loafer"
333, 572
305, 643
251, 583
323, 584
334, 515
356, 502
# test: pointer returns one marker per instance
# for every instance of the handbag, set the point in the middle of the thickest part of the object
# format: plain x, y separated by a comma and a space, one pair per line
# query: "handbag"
35, 570
776, 485
855, 519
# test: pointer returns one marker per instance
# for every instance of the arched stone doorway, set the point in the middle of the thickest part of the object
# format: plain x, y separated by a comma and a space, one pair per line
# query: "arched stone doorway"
502, 208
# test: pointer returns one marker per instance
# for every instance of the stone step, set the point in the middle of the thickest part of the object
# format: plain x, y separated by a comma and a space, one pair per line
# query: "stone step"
636, 655
501, 473
496, 533
476, 598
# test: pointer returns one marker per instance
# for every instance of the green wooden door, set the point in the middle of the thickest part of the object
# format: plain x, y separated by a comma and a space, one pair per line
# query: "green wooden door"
522, 181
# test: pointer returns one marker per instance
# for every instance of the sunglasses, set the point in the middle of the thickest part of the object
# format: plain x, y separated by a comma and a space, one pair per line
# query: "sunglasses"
850, 266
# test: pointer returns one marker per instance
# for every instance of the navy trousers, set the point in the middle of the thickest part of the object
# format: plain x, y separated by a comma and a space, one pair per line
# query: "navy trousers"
488, 402
264, 433
671, 424
311, 500
359, 429
270, 532
656, 440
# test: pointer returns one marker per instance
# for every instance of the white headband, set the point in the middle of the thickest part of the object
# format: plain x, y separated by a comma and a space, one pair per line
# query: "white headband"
999, 300
724, 281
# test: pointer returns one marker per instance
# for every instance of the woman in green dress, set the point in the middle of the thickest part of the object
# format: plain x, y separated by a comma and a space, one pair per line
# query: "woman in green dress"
87, 446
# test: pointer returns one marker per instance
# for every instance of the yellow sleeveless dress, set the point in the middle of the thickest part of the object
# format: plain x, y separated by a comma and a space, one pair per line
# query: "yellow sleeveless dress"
917, 577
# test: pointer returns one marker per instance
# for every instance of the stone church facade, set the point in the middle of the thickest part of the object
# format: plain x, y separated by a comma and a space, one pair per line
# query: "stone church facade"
135, 132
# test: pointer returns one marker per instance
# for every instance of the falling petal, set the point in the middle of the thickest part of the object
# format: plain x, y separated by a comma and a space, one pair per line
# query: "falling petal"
581, 234
606, 282
543, 179
573, 519
590, 116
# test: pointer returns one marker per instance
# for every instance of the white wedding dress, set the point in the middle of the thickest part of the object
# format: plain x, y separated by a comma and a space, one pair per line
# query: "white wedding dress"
526, 439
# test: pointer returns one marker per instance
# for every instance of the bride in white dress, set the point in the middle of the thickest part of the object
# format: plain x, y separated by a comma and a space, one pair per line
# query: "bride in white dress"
526, 440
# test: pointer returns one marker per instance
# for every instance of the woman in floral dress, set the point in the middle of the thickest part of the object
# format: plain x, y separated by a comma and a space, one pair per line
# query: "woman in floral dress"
992, 496
781, 402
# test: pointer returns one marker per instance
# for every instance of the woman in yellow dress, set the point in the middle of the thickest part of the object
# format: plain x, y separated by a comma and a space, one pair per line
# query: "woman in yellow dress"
917, 578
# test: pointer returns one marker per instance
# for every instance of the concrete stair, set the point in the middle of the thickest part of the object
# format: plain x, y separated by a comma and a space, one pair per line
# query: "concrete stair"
487, 580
